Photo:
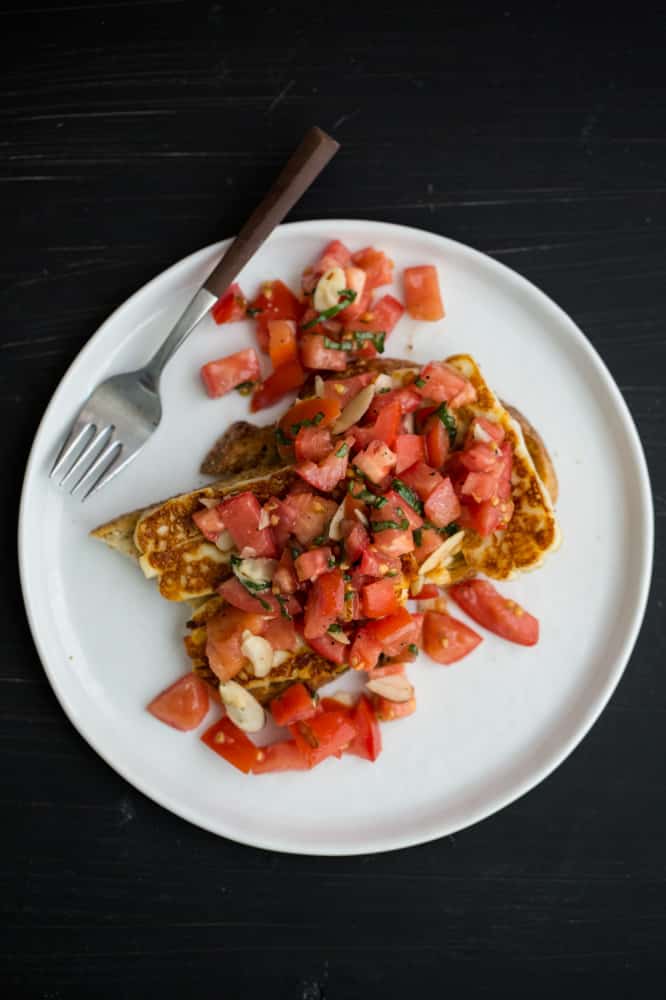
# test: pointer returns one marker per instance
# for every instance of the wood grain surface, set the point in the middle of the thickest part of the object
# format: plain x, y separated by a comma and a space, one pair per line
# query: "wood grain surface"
134, 133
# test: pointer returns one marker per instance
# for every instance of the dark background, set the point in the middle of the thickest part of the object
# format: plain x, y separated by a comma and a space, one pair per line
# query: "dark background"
135, 133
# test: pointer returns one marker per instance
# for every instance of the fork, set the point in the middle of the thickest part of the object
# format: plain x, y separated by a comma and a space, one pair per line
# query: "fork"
121, 414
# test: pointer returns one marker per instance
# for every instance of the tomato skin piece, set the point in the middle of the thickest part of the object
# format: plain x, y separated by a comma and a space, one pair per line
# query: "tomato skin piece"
293, 705
183, 705
447, 640
265, 602
313, 444
378, 564
407, 397
282, 346
395, 508
324, 411
367, 743
388, 670
444, 384
365, 650
427, 592
482, 602
323, 735
396, 632
281, 633
437, 443
380, 318
221, 376
307, 514
356, 542
231, 306
232, 744
389, 711
240, 515
376, 461
285, 379
379, 599
329, 648
313, 563
281, 756
209, 521
224, 638
343, 390
409, 449
442, 506
422, 295
316, 356
325, 475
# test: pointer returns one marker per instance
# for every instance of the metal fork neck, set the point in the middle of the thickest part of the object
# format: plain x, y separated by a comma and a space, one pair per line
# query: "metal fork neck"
193, 313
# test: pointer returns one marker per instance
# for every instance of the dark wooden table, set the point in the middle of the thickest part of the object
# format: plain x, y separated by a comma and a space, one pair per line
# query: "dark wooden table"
135, 133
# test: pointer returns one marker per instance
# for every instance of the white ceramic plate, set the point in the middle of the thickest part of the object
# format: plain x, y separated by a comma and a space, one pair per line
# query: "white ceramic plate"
487, 729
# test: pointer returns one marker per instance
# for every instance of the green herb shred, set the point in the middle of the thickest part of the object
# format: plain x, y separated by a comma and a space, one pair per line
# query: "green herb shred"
418, 536
346, 296
413, 648
335, 629
448, 420
408, 495
419, 382
252, 311
331, 562
282, 601
281, 437
342, 451
452, 529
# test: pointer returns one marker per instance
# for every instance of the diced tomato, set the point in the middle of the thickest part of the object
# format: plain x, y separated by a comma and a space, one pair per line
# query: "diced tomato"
379, 599
314, 354
324, 604
376, 461
442, 506
436, 442
275, 301
209, 521
313, 444
365, 650
380, 318
422, 478
328, 647
223, 375
264, 603
407, 397
481, 601
422, 295
484, 518
388, 711
427, 592
386, 427
388, 670
377, 266
480, 428
287, 378
356, 542
335, 254
409, 449
326, 474
343, 390
480, 457
281, 756
430, 540
445, 385
323, 735
309, 412
355, 281
395, 543
183, 705
367, 743
447, 640
396, 632
224, 638
282, 346
482, 486
240, 515
231, 743
378, 564
293, 705
313, 563
309, 514
397, 509
281, 634
231, 306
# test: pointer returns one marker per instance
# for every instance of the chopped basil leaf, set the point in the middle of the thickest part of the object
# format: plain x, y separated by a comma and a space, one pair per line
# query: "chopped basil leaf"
418, 536
408, 495
331, 562
452, 529
419, 382
370, 498
390, 525
377, 337
309, 422
338, 345
448, 420
253, 311
346, 577
295, 552
342, 451
413, 648
346, 296
320, 539
335, 629
348, 595
282, 601
281, 437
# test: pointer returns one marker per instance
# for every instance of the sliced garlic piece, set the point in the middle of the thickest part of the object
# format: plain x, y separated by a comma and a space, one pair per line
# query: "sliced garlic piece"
329, 286
280, 656
408, 423
259, 652
334, 530
383, 381
481, 435
259, 570
360, 516
345, 698
340, 637
242, 708
209, 502
395, 687
318, 386
353, 412
448, 548
224, 541
264, 520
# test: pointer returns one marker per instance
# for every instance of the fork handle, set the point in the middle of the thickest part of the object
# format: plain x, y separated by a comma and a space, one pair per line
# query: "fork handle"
301, 169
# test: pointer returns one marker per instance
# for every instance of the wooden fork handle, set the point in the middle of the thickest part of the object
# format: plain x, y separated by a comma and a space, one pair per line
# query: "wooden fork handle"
302, 168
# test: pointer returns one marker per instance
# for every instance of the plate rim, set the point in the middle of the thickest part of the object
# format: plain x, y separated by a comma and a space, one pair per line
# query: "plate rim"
495, 803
